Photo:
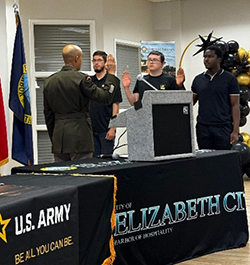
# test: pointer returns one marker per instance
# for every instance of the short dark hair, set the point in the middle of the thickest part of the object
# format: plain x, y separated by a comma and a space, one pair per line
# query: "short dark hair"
101, 53
216, 50
159, 54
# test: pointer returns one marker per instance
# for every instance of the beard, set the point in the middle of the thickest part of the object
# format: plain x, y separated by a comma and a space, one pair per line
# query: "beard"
99, 70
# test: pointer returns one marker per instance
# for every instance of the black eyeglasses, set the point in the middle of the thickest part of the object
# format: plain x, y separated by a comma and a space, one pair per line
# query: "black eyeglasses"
153, 60
97, 60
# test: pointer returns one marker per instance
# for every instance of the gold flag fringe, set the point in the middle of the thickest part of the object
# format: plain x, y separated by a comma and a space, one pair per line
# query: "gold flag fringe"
110, 260
4, 161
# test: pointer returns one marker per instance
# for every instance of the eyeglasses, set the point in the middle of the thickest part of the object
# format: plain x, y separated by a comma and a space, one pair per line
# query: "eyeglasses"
97, 60
153, 60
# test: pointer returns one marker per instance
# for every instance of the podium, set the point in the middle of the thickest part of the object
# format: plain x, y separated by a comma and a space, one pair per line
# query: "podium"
162, 128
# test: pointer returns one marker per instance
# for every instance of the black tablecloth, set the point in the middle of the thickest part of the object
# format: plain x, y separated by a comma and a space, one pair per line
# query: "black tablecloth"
89, 218
173, 210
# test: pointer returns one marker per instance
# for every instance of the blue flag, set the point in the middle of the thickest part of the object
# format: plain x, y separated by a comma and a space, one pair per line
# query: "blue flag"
19, 103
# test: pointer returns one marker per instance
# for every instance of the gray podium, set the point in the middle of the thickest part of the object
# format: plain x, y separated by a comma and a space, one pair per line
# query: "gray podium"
162, 128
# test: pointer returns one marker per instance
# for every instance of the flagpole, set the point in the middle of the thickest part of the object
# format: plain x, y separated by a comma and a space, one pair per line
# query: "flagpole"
15, 6
16, 11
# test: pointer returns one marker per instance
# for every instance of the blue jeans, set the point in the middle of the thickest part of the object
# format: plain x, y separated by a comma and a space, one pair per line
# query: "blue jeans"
102, 146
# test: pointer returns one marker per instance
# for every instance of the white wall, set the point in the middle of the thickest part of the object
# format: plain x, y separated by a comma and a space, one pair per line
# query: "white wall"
167, 24
128, 20
63, 9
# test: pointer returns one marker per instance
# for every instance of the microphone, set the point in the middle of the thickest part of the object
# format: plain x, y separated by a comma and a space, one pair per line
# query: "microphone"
113, 156
140, 78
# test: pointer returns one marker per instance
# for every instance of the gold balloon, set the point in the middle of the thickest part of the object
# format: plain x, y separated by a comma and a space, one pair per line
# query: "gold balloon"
243, 79
246, 137
248, 142
234, 71
248, 71
242, 53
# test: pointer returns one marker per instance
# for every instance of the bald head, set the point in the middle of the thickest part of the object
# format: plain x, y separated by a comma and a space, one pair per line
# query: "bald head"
72, 55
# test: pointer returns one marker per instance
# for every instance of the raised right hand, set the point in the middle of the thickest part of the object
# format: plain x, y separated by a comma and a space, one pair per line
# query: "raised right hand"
126, 79
110, 64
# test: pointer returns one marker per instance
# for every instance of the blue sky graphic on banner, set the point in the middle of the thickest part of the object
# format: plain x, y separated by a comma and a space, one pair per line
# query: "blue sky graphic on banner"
167, 48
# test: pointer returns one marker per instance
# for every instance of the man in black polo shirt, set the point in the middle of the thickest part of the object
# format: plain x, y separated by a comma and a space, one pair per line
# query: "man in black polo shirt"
218, 94
156, 77
100, 114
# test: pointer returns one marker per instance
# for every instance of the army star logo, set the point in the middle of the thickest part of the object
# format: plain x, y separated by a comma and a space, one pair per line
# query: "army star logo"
3, 225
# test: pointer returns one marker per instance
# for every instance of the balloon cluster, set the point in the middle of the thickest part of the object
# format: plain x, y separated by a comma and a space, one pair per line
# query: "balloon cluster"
237, 60
243, 148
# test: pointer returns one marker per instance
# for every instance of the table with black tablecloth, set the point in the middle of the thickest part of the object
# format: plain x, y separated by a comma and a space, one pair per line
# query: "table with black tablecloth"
173, 210
56, 219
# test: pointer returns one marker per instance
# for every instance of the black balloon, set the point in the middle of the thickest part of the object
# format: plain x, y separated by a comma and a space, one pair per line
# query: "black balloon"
240, 137
229, 61
244, 109
244, 94
222, 45
244, 152
243, 121
233, 46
